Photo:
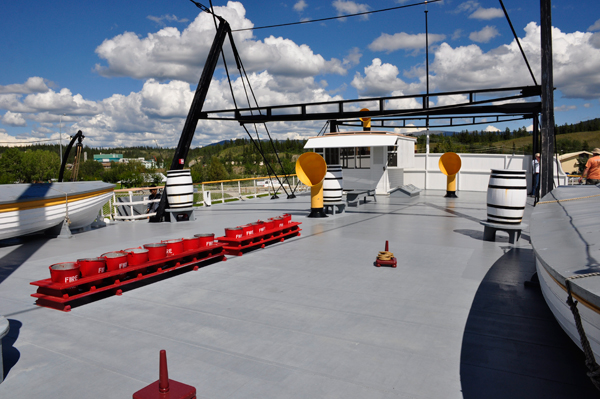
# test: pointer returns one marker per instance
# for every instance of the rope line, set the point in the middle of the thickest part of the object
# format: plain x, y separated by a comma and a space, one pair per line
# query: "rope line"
338, 17
575, 277
590, 361
518, 42
569, 199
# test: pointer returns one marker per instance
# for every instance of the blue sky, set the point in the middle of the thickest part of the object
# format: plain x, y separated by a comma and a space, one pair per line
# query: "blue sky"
124, 72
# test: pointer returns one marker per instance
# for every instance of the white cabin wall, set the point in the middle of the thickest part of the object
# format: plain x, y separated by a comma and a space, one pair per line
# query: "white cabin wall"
474, 173
395, 178
358, 179
406, 153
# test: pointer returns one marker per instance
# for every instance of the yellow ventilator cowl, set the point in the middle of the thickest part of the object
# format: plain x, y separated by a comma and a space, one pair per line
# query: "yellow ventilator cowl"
366, 121
450, 164
311, 169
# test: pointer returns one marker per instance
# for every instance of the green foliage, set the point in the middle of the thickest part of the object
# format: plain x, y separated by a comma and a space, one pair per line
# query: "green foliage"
130, 174
500, 142
216, 170
565, 146
39, 166
584, 126
197, 172
91, 170
10, 166
33, 166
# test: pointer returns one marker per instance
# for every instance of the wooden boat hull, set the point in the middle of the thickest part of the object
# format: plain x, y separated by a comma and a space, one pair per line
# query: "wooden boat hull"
32, 208
555, 294
563, 235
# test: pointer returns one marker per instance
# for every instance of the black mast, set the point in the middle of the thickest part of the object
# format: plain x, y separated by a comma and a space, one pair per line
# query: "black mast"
185, 141
547, 130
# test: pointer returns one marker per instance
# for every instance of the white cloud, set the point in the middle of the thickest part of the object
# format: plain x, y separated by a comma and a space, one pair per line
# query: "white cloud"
467, 6
344, 7
487, 13
34, 84
61, 102
565, 107
380, 79
169, 18
284, 57
576, 64
595, 26
595, 40
13, 119
443, 101
353, 57
300, 6
403, 103
409, 130
173, 55
404, 41
484, 35
587, 105
491, 128
12, 141
171, 100
158, 111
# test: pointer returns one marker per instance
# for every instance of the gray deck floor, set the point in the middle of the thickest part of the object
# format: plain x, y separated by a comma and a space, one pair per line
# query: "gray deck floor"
308, 318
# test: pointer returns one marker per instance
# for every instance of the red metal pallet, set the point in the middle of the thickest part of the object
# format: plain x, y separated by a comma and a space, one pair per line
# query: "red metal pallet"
62, 296
236, 246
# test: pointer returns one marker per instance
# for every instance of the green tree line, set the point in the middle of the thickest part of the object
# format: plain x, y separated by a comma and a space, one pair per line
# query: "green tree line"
229, 159
484, 141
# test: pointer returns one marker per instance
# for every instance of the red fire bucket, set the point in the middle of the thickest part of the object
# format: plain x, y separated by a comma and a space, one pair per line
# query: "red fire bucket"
287, 218
136, 256
191, 243
115, 260
234, 232
156, 251
205, 240
248, 230
65, 272
269, 224
277, 222
91, 266
174, 247
259, 227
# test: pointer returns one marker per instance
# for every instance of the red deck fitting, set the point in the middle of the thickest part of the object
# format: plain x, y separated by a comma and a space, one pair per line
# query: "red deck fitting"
236, 246
392, 262
62, 296
164, 388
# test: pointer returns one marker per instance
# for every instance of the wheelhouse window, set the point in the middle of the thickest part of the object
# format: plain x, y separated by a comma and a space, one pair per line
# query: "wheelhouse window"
392, 156
356, 158
349, 158
363, 157
332, 156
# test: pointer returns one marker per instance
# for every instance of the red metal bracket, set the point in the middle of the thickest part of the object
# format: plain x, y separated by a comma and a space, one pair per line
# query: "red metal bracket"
64, 296
237, 246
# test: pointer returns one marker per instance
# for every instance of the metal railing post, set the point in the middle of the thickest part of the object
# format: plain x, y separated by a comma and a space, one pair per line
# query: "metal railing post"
222, 194
255, 189
113, 207
240, 188
131, 200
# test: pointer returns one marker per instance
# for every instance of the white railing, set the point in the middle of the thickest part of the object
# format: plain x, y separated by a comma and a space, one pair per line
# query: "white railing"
130, 205
221, 191
474, 172
241, 189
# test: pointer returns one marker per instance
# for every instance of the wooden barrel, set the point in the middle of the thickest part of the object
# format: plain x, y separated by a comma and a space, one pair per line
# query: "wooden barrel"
506, 196
180, 190
332, 184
